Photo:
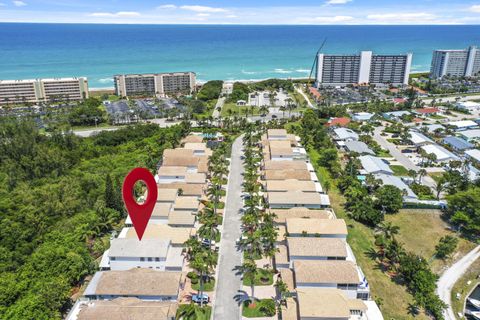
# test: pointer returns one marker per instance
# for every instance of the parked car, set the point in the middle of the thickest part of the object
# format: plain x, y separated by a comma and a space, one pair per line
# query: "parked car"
203, 298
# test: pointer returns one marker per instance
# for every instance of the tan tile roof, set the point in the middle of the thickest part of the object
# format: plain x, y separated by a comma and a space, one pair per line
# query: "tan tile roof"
161, 209
180, 158
195, 178
138, 282
287, 277
283, 214
290, 185
276, 132
317, 247
189, 189
323, 303
196, 145
325, 271
282, 165
289, 312
280, 147
281, 233
127, 309
314, 226
202, 164
186, 202
294, 198
162, 231
181, 218
166, 195
287, 174
193, 138
281, 256
172, 171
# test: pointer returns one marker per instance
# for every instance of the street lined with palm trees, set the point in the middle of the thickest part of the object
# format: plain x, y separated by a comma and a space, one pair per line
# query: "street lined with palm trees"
229, 282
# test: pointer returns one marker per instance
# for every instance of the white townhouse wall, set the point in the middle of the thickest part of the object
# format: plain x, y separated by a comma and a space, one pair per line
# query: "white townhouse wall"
307, 248
277, 134
128, 253
171, 174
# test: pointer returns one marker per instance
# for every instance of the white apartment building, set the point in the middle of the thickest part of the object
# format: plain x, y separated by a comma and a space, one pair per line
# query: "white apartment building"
363, 68
42, 90
458, 63
159, 84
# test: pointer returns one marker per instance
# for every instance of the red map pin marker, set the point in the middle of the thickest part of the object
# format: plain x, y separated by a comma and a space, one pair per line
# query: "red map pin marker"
139, 213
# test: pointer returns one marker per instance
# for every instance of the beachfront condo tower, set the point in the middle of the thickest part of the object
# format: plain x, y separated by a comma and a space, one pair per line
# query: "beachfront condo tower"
159, 84
362, 68
456, 63
42, 90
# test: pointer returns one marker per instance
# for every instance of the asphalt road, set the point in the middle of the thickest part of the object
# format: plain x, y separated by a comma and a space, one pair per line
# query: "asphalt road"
400, 157
228, 282
451, 276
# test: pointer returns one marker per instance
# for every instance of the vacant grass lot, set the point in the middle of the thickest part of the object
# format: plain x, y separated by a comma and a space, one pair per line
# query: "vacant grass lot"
237, 110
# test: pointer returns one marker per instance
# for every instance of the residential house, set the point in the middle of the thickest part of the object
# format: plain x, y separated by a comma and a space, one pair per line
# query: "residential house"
470, 135
324, 228
474, 155
419, 139
463, 125
358, 147
362, 116
457, 144
441, 154
374, 165
344, 134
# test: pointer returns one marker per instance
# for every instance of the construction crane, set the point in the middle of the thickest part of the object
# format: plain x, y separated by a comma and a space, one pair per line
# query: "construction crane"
315, 61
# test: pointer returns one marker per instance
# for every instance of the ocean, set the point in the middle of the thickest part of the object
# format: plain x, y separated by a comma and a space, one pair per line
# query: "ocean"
228, 52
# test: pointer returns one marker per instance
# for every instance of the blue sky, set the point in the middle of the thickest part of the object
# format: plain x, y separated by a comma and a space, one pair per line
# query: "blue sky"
243, 11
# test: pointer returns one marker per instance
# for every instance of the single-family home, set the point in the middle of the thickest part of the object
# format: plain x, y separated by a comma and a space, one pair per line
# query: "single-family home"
441, 154
434, 128
344, 134
280, 150
395, 115
419, 139
338, 122
473, 154
427, 111
359, 147
470, 135
457, 143
463, 125
138, 283
469, 106
391, 180
362, 116
374, 165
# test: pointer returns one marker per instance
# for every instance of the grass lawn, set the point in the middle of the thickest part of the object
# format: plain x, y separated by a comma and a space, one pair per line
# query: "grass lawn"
384, 153
462, 286
399, 170
207, 286
237, 110
436, 116
261, 273
420, 231
254, 312
202, 314
435, 176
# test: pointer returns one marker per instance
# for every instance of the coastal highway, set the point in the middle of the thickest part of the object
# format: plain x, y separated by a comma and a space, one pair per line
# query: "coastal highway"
451, 276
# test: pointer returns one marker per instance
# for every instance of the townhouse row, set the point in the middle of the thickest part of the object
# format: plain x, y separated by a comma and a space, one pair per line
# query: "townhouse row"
147, 279
313, 258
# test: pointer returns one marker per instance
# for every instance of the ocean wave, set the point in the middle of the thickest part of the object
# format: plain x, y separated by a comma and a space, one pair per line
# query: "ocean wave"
105, 80
249, 72
282, 71
302, 70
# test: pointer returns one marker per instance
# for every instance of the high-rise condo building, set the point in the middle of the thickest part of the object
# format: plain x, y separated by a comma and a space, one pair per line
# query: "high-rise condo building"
363, 68
154, 84
458, 63
43, 90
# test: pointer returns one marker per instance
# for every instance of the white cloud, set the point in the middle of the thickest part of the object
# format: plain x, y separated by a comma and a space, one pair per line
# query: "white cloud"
231, 16
417, 17
328, 20
203, 15
120, 14
203, 9
338, 1
167, 6
475, 8
19, 3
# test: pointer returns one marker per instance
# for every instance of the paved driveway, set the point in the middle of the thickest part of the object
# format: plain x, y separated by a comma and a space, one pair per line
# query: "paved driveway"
229, 282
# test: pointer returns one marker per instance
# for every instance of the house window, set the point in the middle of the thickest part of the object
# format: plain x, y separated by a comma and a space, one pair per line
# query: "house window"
149, 259
157, 259
112, 258
142, 259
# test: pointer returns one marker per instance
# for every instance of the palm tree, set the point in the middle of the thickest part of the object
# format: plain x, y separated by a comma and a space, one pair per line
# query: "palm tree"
249, 271
282, 291
252, 243
388, 230
263, 110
